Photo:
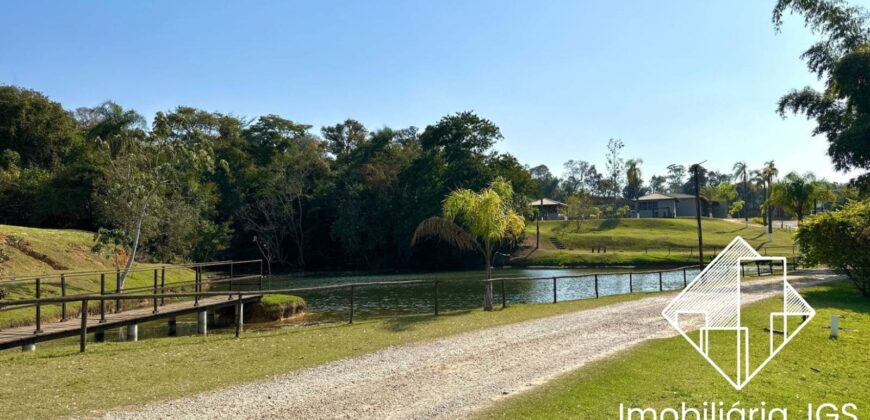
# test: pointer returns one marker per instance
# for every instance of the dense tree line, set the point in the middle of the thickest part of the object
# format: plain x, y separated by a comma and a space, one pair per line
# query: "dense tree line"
202, 185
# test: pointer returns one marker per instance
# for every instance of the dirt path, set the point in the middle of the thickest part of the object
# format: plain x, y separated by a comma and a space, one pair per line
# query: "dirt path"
445, 378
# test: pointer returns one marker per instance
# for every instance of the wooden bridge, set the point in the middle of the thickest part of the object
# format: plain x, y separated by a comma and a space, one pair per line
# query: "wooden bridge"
101, 311
27, 337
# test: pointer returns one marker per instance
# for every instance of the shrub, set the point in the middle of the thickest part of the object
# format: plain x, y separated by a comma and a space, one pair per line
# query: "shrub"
841, 240
2, 294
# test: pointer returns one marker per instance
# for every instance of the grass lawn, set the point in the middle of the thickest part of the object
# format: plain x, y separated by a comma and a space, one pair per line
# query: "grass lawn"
642, 241
60, 251
59, 381
666, 372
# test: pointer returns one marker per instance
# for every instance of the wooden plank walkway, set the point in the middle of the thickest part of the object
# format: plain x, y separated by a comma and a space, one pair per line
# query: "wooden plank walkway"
14, 337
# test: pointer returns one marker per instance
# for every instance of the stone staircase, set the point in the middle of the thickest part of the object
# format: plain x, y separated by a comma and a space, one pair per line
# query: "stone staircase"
557, 243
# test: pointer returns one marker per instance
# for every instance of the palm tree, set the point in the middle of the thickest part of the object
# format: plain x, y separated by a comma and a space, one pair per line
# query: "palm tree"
769, 172
740, 168
115, 126
476, 221
633, 180
795, 193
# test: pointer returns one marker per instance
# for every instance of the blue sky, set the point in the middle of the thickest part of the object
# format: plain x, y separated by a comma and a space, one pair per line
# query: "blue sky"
678, 81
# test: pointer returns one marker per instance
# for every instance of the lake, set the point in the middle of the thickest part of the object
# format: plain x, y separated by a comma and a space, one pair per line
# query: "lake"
464, 289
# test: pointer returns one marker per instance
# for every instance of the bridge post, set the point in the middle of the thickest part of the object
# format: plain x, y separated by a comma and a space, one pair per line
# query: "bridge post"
133, 332
84, 332
63, 294
162, 285
38, 308
118, 289
102, 301
240, 316
154, 311
173, 327
202, 323
100, 336
630, 286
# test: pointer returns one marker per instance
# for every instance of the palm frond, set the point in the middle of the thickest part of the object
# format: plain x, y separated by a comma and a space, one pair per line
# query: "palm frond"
446, 231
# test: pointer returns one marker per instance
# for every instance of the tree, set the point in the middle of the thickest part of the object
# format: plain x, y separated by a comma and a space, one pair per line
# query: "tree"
657, 184
577, 208
676, 175
148, 185
548, 185
576, 174
615, 166
634, 181
795, 193
841, 240
768, 173
470, 217
344, 137
842, 60
276, 209
38, 129
740, 169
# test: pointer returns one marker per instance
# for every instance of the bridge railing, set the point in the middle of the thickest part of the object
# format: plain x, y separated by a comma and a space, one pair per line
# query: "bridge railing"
156, 279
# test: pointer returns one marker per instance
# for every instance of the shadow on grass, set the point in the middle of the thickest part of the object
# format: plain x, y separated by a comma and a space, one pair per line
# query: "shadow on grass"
409, 322
608, 224
841, 295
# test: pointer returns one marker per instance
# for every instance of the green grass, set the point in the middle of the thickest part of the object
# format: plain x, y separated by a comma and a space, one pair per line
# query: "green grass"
59, 381
61, 251
666, 372
641, 241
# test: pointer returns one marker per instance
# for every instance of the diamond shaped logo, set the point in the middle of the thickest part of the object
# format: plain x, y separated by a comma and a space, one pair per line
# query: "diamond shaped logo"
707, 313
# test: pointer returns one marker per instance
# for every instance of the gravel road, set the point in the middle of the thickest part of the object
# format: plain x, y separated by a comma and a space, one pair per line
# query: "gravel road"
446, 378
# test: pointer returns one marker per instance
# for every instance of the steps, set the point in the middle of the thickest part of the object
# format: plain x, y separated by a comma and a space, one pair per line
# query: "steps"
556, 243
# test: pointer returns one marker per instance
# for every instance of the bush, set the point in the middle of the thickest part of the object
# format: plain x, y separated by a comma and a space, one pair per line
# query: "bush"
3, 294
841, 240
275, 308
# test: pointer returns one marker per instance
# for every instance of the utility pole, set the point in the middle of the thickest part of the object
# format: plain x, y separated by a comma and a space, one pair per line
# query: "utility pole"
696, 168
538, 224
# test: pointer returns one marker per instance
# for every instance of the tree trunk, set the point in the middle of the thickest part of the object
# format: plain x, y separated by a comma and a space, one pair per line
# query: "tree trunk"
133, 248
487, 292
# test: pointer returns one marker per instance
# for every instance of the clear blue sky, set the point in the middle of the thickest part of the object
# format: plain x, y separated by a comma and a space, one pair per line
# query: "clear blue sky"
679, 80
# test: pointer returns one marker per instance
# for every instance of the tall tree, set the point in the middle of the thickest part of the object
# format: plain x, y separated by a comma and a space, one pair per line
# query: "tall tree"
633, 181
842, 60
576, 174
741, 169
676, 176
615, 165
768, 173
470, 217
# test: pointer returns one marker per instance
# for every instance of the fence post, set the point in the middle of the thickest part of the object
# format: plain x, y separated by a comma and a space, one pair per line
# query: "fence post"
596, 286
155, 292
685, 282
231, 270
350, 321
63, 294
102, 301
240, 316
436, 297
162, 285
84, 332
503, 295
661, 285
554, 290
117, 290
196, 286
38, 307
630, 287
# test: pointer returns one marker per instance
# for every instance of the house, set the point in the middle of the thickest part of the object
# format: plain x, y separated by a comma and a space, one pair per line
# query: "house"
674, 205
548, 209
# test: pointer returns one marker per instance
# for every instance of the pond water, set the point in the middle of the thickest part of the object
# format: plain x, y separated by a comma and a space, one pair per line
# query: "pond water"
464, 289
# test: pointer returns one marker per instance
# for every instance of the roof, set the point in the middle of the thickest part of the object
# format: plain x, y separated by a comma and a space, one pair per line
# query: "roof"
547, 202
667, 196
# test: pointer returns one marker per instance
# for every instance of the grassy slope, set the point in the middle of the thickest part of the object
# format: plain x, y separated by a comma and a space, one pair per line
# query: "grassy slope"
641, 241
70, 249
664, 373
173, 367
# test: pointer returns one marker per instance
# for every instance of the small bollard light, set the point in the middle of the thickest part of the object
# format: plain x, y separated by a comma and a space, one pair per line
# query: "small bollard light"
835, 326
